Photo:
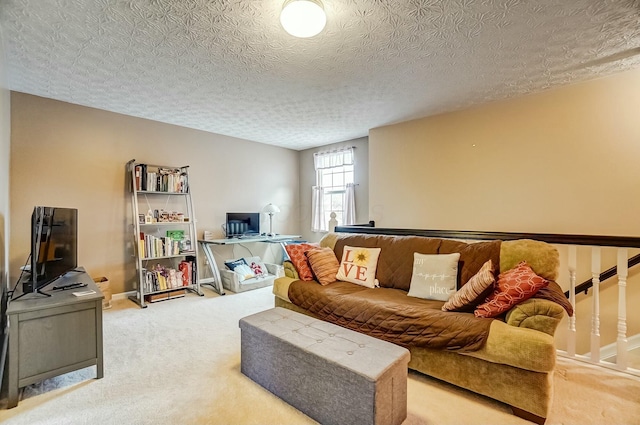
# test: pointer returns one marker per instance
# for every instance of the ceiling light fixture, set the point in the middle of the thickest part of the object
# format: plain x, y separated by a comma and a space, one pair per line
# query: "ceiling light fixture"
303, 18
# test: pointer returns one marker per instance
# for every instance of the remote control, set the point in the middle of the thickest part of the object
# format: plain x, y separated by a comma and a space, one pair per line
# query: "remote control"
70, 286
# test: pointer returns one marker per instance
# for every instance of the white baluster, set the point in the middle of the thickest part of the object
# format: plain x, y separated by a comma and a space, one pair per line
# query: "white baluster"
571, 336
595, 311
621, 355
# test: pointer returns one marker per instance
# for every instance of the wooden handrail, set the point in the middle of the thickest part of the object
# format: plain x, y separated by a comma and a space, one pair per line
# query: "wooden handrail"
607, 274
561, 239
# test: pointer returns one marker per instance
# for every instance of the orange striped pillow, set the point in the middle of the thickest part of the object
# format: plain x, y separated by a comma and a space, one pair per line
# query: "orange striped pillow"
474, 291
324, 263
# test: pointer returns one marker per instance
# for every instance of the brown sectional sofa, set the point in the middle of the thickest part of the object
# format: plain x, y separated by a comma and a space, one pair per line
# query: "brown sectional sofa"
515, 360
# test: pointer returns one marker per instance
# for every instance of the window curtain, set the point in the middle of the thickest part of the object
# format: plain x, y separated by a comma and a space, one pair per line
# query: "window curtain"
317, 221
332, 159
350, 205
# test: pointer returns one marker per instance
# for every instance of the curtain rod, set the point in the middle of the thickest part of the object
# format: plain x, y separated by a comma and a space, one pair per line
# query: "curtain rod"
335, 150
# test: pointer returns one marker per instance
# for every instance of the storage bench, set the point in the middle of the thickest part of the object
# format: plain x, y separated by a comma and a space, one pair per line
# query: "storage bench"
332, 374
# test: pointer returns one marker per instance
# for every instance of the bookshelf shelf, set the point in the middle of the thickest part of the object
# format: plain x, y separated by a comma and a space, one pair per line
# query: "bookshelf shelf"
182, 254
162, 236
158, 192
164, 291
167, 223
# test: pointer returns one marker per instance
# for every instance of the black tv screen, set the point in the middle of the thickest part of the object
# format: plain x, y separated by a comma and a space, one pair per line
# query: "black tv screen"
54, 244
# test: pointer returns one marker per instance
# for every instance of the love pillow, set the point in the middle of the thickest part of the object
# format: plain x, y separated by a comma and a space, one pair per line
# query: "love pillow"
359, 265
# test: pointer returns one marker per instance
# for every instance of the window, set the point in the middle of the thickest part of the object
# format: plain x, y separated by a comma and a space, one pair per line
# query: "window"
334, 188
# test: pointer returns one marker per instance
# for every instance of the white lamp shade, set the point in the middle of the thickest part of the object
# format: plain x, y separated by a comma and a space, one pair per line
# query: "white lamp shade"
271, 209
303, 18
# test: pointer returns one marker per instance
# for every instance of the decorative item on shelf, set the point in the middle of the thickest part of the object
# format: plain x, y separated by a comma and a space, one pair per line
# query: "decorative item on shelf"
176, 235
185, 245
303, 18
163, 216
271, 210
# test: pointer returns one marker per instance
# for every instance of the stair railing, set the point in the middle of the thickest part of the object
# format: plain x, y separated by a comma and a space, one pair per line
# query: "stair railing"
605, 275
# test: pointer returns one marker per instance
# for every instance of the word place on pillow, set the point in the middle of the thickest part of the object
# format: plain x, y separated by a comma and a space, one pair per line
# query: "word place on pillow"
434, 276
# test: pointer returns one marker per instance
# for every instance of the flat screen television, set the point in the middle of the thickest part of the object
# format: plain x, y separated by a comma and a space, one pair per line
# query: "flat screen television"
54, 245
242, 224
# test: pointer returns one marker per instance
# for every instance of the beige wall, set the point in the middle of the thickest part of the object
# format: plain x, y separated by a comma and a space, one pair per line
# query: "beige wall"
5, 135
308, 179
73, 156
5, 129
562, 161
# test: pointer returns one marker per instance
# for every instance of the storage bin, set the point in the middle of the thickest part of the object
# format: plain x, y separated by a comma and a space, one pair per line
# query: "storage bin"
105, 288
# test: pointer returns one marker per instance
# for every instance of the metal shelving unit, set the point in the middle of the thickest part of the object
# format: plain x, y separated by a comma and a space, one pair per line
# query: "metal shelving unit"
177, 194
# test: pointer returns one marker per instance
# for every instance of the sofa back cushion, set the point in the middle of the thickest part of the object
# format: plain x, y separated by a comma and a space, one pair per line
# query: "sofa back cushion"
395, 263
472, 256
542, 257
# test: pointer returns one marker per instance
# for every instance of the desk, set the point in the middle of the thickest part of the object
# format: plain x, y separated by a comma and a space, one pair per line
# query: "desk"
49, 336
216, 282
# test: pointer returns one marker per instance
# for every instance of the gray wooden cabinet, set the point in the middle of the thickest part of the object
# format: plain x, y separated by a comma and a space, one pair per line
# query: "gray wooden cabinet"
49, 336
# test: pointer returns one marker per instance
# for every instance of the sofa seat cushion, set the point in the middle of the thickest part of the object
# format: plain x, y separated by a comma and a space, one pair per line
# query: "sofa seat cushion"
391, 315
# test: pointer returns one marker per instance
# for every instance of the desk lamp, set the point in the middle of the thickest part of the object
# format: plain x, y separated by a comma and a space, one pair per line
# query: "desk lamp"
271, 210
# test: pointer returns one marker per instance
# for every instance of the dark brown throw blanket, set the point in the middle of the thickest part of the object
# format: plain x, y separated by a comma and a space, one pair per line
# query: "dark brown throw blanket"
391, 315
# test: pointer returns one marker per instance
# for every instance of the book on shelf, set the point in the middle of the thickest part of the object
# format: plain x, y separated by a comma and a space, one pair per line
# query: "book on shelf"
138, 177
161, 179
151, 246
161, 278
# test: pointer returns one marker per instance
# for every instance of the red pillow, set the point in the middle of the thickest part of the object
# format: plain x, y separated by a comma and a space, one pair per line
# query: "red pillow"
513, 286
300, 261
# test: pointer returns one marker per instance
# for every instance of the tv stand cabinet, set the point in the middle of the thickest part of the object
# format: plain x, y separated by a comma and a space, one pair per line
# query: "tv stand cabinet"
50, 336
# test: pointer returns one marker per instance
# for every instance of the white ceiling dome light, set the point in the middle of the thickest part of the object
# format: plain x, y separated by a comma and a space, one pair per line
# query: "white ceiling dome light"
303, 18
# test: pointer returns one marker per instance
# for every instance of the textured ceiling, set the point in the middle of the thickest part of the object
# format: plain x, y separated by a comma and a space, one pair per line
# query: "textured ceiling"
228, 67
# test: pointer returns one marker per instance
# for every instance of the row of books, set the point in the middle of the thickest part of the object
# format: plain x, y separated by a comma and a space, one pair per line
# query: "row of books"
150, 246
162, 278
158, 179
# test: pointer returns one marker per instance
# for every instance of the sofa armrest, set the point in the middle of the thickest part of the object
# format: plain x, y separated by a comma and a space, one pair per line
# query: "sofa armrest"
275, 269
518, 347
535, 313
281, 287
290, 270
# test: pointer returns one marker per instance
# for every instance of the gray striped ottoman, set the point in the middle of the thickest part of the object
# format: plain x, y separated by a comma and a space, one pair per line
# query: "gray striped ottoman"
332, 374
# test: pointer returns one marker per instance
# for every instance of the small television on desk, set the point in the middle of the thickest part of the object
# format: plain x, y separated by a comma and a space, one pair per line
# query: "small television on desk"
54, 246
242, 224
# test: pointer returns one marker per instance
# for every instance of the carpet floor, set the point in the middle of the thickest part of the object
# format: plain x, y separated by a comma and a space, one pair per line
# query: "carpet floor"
178, 362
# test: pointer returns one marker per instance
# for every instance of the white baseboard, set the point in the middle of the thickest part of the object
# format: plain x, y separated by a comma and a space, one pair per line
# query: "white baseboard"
123, 295
610, 350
